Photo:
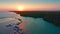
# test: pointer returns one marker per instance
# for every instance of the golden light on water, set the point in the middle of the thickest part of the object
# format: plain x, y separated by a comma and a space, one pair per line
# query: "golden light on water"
20, 8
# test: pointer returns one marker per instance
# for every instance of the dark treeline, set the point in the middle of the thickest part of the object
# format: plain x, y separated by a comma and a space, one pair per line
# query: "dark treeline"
50, 16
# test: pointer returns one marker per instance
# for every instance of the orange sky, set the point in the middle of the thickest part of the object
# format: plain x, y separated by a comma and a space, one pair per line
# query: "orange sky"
29, 5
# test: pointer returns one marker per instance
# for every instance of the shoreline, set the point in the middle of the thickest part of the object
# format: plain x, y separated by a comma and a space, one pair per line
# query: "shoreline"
53, 17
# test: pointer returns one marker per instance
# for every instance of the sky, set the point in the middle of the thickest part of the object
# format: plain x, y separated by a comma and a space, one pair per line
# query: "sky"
30, 4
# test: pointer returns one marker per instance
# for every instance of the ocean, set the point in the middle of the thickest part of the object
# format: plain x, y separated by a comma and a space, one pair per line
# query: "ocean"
30, 25
40, 26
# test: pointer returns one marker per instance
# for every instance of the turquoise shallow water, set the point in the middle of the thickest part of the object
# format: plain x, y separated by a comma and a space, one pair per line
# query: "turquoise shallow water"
39, 26
32, 25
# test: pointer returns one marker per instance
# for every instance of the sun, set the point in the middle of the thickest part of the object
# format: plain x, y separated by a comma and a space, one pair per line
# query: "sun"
20, 8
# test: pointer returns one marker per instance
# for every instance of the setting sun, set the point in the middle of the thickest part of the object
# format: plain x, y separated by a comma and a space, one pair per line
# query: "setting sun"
20, 8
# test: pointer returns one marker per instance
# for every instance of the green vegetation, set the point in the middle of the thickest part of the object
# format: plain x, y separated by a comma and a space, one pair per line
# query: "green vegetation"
53, 17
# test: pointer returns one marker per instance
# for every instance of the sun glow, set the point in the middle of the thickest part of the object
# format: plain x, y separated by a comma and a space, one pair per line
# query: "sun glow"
20, 8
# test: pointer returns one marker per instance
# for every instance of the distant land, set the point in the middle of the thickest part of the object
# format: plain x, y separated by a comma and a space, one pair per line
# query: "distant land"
50, 16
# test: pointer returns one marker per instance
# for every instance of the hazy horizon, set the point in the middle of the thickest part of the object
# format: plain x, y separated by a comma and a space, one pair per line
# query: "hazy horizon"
30, 4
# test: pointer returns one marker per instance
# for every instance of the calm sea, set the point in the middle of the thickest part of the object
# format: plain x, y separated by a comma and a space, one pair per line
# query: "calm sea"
39, 26
31, 25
